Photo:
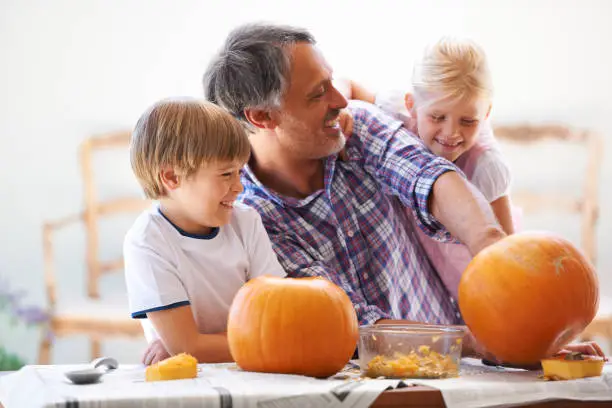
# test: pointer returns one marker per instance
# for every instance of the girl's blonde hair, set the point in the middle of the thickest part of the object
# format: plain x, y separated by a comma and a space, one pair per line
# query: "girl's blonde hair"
185, 134
452, 69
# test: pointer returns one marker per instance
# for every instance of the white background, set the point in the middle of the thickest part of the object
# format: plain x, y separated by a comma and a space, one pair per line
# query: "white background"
71, 69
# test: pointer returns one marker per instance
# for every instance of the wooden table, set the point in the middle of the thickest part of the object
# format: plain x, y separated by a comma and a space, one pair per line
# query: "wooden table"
427, 397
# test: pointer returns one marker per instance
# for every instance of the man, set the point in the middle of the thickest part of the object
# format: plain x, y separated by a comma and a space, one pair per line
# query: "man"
342, 219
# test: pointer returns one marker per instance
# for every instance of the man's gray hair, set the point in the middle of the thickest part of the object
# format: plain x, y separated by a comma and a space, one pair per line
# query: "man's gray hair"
252, 68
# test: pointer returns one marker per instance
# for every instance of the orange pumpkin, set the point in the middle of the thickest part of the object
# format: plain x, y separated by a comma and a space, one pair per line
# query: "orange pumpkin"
528, 295
302, 326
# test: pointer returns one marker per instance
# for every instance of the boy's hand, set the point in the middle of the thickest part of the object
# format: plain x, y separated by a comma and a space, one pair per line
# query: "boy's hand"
155, 352
345, 119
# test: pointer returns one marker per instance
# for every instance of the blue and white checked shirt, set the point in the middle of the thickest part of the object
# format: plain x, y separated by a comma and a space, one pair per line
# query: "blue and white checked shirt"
355, 231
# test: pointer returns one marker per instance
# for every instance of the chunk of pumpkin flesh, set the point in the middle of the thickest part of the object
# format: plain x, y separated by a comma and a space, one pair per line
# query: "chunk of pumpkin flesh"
178, 367
562, 369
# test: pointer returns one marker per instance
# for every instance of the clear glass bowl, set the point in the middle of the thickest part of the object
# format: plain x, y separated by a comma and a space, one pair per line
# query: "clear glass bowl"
410, 351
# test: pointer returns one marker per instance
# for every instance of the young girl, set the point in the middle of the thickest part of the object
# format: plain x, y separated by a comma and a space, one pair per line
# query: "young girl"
448, 109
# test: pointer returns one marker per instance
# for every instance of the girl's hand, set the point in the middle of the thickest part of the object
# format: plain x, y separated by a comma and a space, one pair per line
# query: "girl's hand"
345, 119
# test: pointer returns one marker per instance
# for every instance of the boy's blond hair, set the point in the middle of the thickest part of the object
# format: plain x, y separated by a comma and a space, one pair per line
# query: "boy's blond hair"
452, 69
185, 134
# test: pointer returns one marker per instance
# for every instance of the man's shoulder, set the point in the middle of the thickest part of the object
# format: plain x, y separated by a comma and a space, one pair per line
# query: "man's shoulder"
367, 113
374, 127
373, 130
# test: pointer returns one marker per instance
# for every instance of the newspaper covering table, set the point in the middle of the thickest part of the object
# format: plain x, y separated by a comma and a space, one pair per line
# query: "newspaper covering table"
217, 386
225, 386
483, 386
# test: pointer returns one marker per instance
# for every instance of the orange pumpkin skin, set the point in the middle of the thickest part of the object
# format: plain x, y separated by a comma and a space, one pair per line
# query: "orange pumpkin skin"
304, 326
528, 295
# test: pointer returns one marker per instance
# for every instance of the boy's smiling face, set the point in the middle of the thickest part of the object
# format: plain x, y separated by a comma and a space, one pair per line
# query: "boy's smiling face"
205, 199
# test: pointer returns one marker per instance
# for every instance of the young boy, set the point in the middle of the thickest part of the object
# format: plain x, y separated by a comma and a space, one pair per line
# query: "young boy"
187, 256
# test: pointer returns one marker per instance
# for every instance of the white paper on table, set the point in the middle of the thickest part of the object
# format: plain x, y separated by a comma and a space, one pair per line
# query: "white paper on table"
224, 386
217, 386
484, 386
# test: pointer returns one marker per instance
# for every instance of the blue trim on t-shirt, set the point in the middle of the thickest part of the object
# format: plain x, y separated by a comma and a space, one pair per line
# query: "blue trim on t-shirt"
184, 233
143, 313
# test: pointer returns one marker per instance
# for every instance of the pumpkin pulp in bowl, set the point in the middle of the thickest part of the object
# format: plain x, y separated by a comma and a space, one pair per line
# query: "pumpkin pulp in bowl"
410, 351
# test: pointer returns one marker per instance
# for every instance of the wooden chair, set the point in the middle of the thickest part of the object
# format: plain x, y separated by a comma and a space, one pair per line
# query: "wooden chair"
587, 205
96, 319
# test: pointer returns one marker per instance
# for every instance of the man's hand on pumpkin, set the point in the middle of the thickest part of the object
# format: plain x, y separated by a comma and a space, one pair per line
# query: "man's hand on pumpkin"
589, 348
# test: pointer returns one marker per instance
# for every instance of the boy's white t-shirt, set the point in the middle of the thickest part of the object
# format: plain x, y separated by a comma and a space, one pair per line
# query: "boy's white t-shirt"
166, 267
492, 175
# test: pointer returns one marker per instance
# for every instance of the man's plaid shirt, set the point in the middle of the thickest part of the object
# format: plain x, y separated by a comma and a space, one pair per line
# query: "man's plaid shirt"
355, 231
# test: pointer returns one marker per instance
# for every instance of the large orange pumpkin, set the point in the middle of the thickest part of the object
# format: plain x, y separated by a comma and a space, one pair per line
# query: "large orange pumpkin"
302, 326
528, 295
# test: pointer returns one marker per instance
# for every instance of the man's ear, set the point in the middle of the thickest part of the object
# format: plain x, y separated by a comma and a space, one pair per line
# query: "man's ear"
260, 118
169, 178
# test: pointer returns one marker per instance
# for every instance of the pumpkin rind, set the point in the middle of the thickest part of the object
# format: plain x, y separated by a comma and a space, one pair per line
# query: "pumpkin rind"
304, 326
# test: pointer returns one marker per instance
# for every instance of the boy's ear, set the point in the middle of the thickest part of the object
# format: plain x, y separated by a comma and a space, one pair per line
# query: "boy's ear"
260, 118
169, 178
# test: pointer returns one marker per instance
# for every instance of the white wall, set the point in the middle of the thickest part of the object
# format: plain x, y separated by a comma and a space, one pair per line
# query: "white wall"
70, 69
